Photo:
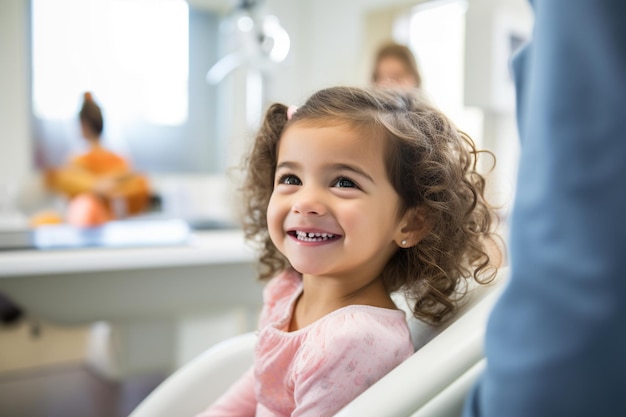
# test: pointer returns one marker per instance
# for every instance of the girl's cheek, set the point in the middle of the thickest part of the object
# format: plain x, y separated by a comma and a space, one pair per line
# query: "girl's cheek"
274, 222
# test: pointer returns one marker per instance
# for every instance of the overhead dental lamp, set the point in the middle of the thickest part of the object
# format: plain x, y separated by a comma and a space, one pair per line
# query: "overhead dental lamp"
256, 41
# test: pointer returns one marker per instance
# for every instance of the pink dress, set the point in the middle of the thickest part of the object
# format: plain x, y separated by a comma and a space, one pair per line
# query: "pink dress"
314, 371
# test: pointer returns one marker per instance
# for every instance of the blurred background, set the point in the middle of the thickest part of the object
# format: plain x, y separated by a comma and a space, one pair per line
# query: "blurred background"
93, 321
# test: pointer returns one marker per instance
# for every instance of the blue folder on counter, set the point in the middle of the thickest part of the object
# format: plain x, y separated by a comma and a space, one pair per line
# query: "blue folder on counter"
122, 233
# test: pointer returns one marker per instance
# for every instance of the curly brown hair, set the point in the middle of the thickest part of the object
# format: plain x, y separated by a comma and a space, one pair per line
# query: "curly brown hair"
431, 165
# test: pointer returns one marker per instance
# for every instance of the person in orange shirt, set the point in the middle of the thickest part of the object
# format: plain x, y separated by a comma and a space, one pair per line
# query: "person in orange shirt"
100, 184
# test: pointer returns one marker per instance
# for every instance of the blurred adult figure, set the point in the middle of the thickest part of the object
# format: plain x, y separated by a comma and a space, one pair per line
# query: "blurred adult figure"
556, 339
100, 184
395, 67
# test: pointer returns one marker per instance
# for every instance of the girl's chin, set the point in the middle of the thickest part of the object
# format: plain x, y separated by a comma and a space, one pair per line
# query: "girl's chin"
304, 270
307, 268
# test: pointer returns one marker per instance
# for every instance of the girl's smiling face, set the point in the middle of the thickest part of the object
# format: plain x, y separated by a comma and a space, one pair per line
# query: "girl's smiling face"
333, 211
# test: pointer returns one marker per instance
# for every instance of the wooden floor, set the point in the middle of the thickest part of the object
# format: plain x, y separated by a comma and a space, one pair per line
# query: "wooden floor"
43, 373
70, 391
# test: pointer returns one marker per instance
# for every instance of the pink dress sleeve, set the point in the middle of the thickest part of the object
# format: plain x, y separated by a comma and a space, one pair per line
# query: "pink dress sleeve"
238, 401
345, 356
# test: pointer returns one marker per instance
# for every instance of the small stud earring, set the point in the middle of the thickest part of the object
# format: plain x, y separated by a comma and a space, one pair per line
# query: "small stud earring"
403, 243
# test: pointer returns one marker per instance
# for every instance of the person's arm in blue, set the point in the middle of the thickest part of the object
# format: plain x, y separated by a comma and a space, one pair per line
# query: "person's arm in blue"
556, 340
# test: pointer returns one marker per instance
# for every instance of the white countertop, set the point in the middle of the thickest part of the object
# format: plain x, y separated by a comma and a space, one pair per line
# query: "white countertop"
203, 248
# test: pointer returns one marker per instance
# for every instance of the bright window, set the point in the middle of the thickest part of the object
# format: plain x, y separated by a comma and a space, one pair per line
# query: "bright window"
436, 35
145, 62
132, 54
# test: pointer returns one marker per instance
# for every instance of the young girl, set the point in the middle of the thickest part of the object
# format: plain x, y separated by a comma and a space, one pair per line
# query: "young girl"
353, 196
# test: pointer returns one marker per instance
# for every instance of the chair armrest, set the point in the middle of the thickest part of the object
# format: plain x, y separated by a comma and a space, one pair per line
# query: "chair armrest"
437, 365
450, 401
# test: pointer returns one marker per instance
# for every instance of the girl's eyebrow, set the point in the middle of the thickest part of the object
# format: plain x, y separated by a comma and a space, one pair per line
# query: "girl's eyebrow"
351, 168
336, 167
287, 165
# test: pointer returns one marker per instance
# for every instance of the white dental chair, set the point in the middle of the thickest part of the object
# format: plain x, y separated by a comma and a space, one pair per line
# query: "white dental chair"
431, 383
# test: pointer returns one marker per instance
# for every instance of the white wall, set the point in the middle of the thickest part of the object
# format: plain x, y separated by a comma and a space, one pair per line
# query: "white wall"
487, 77
15, 141
327, 42
489, 86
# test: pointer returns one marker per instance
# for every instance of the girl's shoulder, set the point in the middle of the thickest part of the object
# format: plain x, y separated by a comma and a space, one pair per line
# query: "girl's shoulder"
362, 333
359, 321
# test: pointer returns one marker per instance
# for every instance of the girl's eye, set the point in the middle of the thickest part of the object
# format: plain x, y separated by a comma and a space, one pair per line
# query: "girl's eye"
289, 180
344, 183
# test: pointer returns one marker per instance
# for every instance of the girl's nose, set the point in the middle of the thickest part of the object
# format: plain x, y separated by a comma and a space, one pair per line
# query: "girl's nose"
309, 202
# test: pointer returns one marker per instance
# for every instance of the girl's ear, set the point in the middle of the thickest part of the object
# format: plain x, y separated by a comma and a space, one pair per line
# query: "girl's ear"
414, 227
